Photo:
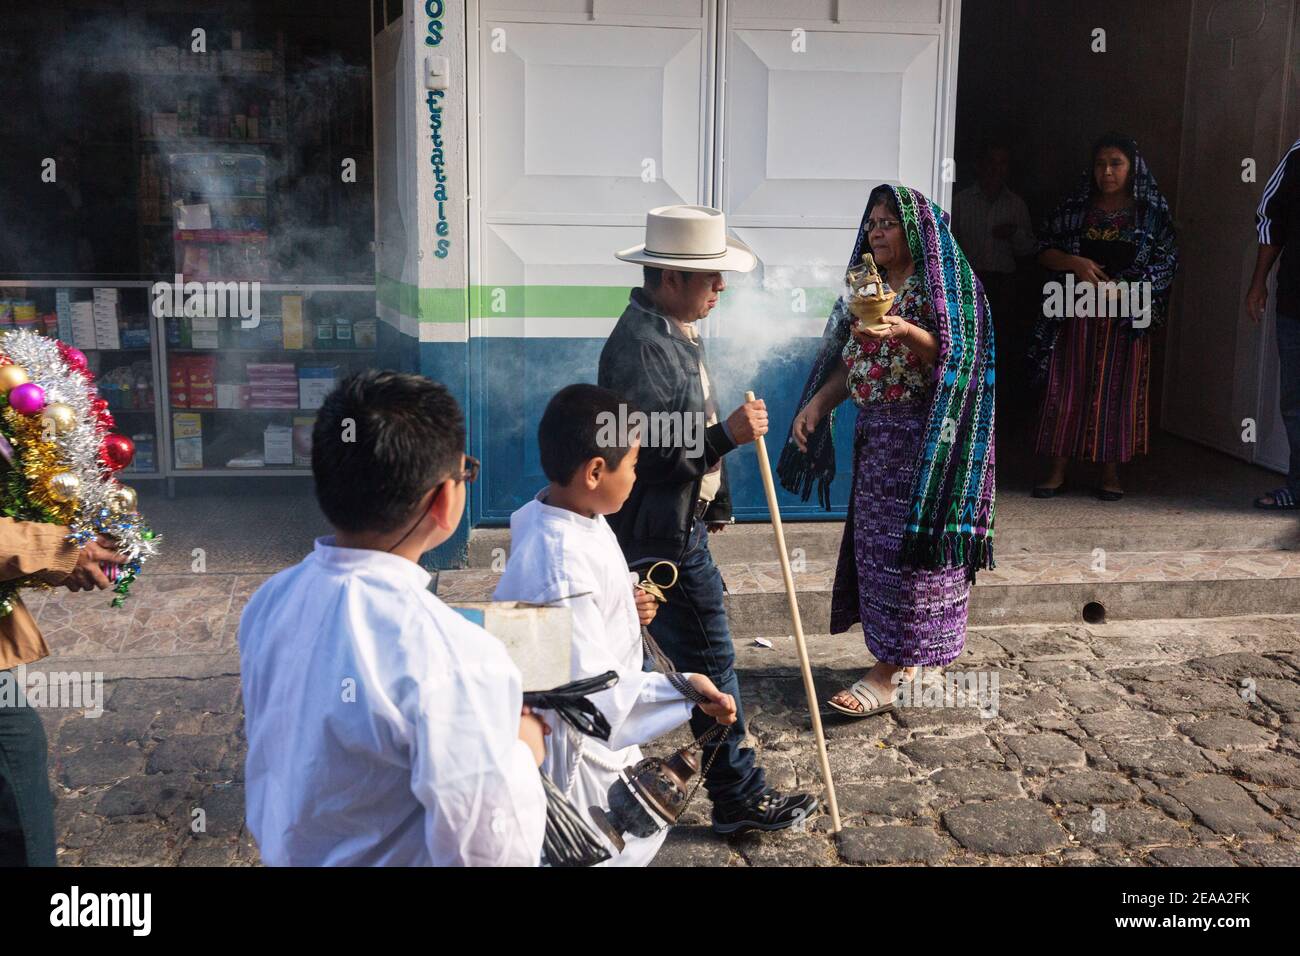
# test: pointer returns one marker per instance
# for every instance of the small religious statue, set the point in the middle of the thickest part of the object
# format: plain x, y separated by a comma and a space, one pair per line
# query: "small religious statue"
868, 296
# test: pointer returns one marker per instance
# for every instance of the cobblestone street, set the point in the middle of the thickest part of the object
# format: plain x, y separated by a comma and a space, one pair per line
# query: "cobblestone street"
1144, 743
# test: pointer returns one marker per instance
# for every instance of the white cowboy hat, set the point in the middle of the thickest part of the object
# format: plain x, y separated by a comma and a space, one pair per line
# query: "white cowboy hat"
691, 239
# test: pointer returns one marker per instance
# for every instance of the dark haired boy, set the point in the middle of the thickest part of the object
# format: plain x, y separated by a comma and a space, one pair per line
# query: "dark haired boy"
563, 553
383, 728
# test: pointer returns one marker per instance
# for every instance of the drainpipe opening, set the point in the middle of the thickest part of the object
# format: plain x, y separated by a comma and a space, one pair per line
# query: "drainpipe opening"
1094, 612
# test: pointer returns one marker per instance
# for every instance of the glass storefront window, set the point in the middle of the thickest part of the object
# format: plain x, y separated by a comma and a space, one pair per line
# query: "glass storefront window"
226, 143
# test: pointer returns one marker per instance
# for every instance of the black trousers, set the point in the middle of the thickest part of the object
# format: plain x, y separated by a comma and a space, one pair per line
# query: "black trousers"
26, 807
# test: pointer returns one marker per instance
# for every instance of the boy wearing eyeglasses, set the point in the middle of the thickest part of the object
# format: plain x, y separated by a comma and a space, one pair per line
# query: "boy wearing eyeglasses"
383, 728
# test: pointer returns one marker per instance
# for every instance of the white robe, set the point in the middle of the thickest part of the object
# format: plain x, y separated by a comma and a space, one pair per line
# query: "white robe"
557, 554
383, 727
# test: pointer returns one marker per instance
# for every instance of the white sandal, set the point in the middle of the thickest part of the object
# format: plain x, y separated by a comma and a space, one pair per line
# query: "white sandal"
865, 695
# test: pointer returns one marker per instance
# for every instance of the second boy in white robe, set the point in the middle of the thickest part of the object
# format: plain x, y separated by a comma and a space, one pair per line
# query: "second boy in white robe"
560, 557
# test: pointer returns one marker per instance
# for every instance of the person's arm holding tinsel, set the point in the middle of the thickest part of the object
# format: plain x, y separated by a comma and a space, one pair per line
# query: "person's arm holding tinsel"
31, 549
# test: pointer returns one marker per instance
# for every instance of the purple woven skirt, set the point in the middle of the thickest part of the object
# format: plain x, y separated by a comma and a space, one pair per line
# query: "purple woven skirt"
909, 615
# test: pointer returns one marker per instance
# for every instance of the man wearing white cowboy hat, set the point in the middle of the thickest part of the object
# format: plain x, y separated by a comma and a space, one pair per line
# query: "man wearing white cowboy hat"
655, 359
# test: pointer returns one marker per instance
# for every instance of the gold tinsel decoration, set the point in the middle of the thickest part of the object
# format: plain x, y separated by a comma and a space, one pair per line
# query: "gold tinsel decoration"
40, 462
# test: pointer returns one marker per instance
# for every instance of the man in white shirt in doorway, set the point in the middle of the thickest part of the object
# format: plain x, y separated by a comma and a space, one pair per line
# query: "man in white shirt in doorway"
993, 227
384, 728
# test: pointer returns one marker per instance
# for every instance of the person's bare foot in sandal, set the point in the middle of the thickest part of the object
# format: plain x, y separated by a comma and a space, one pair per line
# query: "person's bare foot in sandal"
874, 693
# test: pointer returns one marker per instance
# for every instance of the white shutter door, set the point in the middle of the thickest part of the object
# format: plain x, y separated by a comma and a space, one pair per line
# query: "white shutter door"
589, 115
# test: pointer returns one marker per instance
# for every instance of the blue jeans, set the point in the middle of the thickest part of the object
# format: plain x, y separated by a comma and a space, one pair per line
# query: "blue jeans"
1288, 353
691, 628
26, 808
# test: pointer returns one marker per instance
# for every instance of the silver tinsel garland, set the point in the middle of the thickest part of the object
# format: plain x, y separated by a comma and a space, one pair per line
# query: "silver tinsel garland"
78, 448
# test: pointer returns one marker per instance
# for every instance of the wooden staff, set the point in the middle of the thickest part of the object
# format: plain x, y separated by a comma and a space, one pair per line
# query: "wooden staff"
765, 468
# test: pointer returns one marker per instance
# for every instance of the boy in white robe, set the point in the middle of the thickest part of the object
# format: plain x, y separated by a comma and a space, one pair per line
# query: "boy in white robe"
563, 552
384, 728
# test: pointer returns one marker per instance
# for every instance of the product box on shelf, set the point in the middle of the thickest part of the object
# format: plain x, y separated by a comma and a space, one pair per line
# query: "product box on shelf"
228, 395
83, 325
187, 439
277, 445
63, 309
291, 321
201, 371
364, 333
302, 426
178, 383
268, 371
314, 383
269, 335
143, 461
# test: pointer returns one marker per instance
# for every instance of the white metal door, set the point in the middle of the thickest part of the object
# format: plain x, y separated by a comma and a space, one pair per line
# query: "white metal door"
825, 99
588, 115
590, 112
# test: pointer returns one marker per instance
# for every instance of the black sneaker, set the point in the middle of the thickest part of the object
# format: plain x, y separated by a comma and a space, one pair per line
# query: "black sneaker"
770, 810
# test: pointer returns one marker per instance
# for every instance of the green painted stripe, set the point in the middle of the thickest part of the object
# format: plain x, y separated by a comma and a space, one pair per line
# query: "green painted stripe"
548, 301
436, 306
544, 301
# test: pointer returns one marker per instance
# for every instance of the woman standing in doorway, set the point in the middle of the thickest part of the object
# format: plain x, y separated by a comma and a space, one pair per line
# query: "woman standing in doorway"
1115, 228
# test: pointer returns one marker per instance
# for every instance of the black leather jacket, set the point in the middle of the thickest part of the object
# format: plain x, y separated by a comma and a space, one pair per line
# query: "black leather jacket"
652, 364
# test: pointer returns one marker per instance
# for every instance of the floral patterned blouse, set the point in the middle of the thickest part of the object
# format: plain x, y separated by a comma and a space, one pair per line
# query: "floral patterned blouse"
888, 371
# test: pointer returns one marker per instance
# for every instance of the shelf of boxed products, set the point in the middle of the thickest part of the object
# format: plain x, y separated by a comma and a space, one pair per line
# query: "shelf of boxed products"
242, 401
116, 341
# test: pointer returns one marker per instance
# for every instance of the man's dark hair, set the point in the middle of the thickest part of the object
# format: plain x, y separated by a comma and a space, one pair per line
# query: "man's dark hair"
581, 423
651, 277
382, 439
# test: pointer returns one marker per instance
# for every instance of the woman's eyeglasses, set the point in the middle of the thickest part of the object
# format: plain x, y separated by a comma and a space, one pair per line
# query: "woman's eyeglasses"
885, 224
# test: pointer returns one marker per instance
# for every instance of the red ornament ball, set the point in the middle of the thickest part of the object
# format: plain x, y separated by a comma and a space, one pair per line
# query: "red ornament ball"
76, 359
117, 452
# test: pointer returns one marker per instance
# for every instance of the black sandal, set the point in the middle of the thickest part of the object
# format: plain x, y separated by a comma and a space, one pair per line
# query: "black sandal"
1043, 492
1283, 500
1105, 494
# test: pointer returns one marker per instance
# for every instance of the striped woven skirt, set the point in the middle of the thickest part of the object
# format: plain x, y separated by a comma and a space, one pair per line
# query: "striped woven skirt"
909, 615
1095, 405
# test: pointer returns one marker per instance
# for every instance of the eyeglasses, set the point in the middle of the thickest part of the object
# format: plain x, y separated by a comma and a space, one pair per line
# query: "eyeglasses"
470, 474
885, 224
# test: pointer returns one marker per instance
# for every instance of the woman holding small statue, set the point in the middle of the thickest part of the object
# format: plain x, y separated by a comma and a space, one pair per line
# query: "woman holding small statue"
913, 348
